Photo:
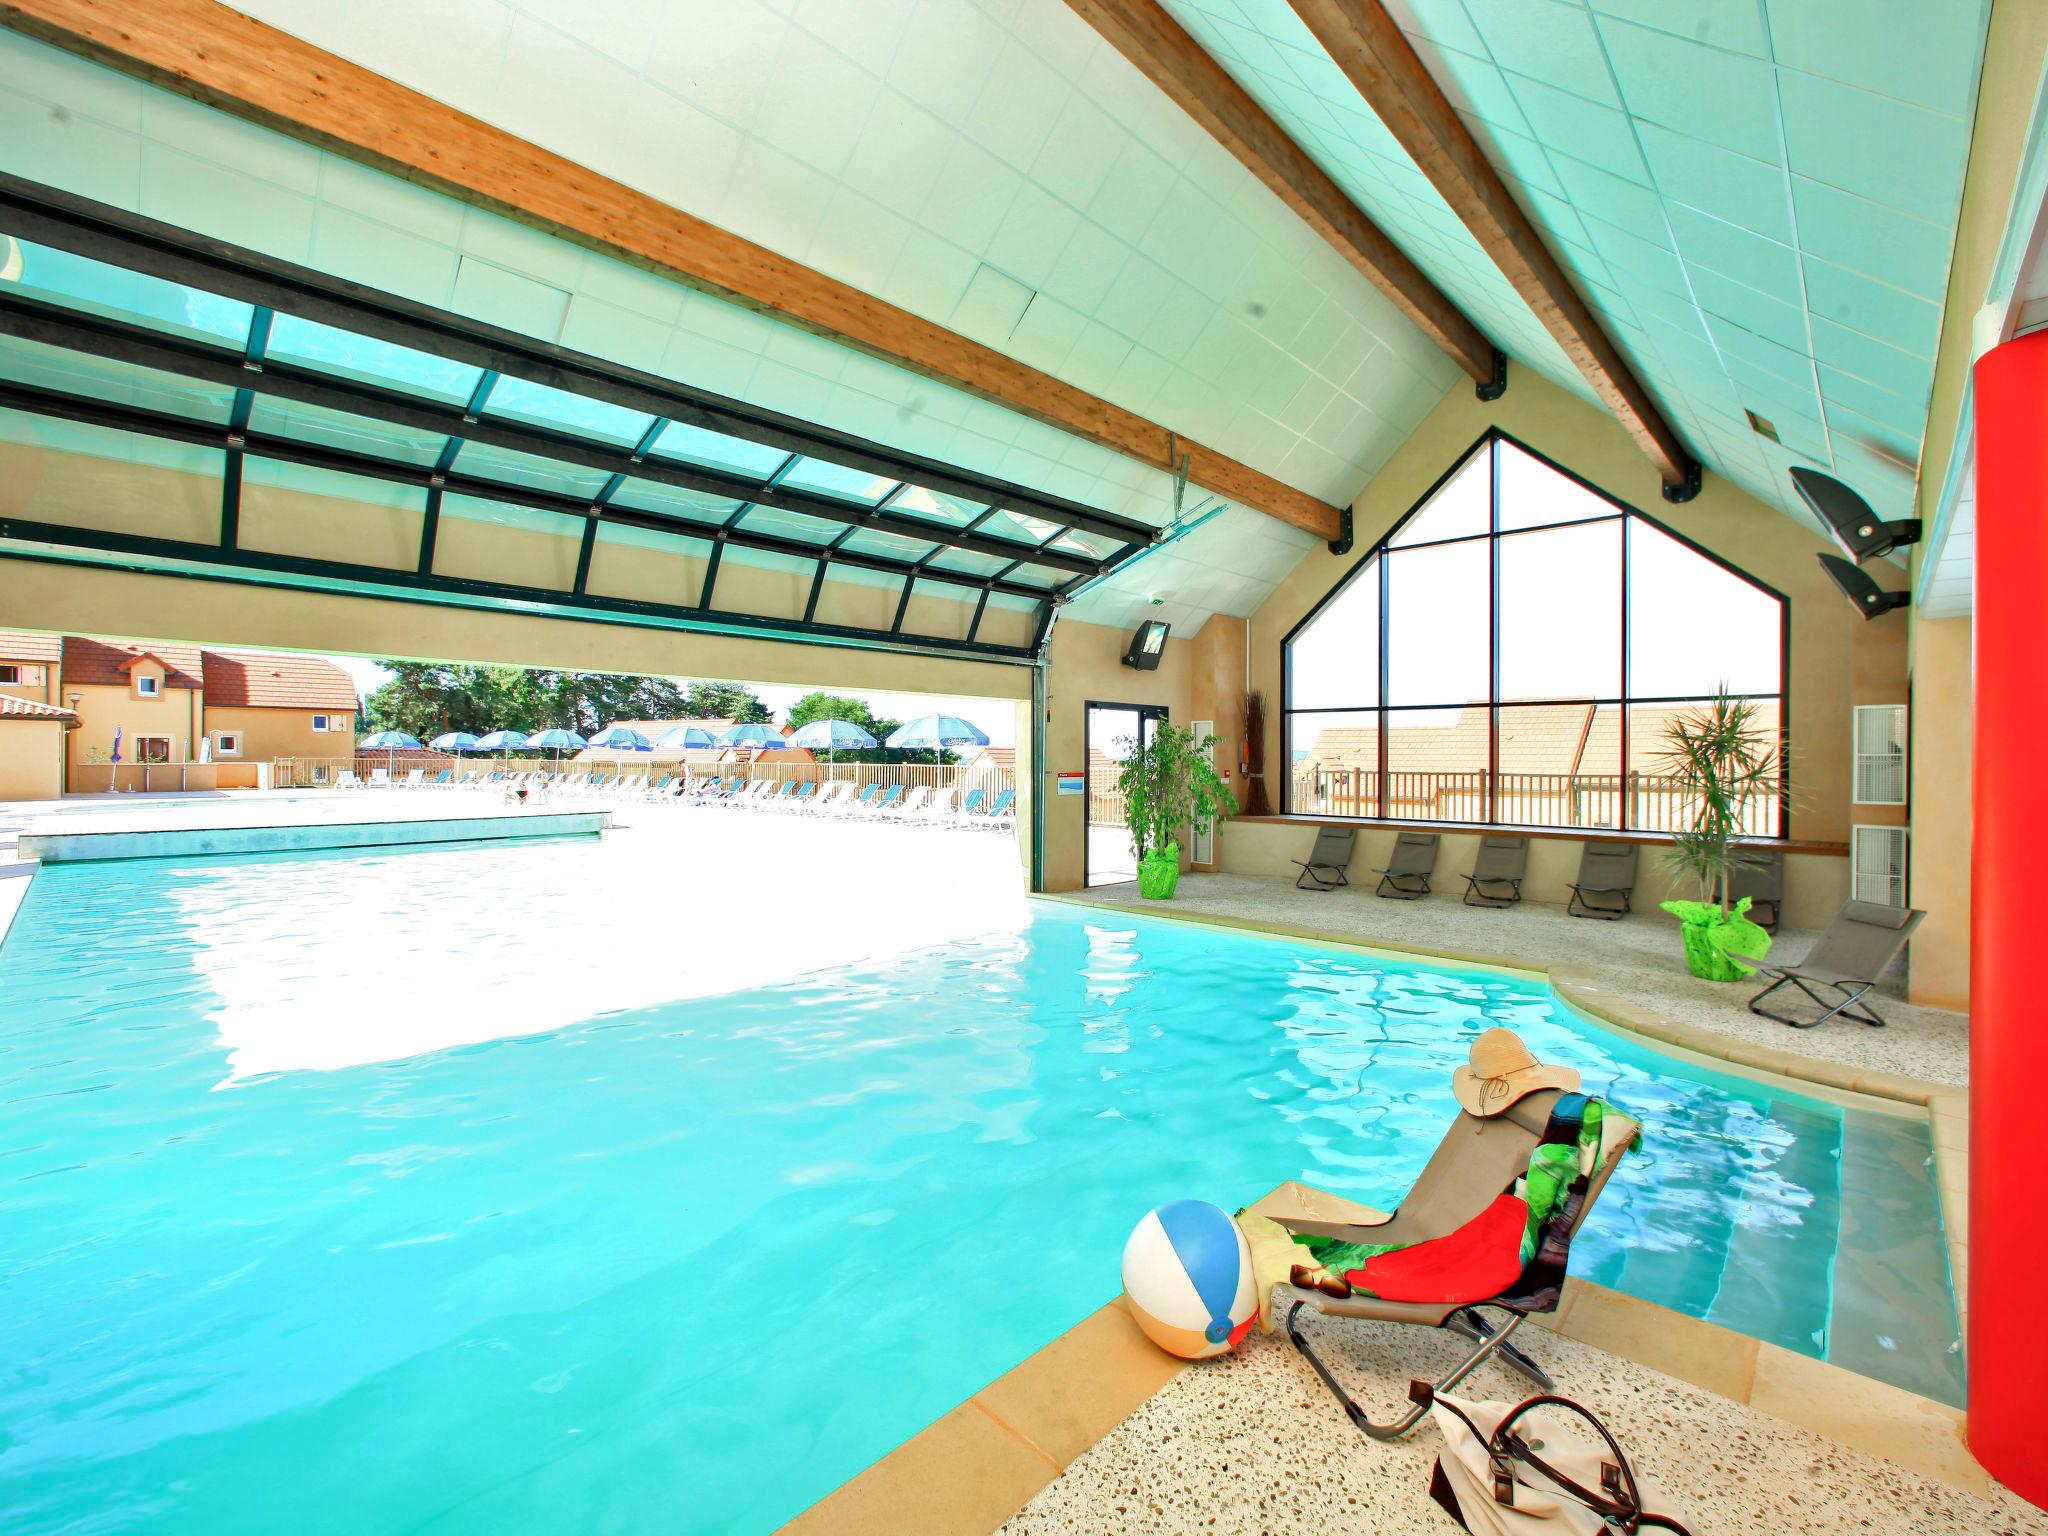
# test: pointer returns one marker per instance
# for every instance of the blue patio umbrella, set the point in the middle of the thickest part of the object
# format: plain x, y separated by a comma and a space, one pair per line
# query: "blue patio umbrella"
832, 736
686, 736
558, 741
457, 742
938, 733
390, 743
506, 742
762, 738
621, 738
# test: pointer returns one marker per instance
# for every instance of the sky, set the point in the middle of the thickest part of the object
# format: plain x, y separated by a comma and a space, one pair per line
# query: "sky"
996, 718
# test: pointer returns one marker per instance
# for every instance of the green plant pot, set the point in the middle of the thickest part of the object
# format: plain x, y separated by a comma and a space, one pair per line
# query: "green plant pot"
1716, 946
1159, 873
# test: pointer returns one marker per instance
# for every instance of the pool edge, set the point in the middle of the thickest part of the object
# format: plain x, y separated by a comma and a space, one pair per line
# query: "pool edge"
975, 1466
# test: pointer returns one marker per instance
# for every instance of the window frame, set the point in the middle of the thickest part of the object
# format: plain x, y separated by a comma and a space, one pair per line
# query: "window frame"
221, 740
10, 675
320, 723
1379, 713
140, 754
148, 686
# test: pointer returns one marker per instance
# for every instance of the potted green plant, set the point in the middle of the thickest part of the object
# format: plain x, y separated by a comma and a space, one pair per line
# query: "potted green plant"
1718, 757
1168, 783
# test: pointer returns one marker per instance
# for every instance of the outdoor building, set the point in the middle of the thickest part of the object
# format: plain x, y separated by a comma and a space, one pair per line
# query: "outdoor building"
178, 704
1388, 521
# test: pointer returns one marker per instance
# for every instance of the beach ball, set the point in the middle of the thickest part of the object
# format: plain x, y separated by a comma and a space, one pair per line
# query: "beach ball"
1188, 1280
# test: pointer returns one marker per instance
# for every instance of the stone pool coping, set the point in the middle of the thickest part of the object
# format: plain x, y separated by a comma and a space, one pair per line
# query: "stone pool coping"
118, 838
974, 1467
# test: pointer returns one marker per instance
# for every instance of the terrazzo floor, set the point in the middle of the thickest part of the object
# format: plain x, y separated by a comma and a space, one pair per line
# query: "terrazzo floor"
1638, 956
1252, 1443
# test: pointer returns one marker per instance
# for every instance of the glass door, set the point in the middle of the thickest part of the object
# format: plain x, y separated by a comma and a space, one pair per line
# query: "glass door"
1116, 733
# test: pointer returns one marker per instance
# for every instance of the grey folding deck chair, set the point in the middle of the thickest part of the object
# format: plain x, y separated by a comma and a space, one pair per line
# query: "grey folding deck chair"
1478, 1159
1496, 878
1761, 877
1607, 878
1324, 868
1406, 877
1858, 948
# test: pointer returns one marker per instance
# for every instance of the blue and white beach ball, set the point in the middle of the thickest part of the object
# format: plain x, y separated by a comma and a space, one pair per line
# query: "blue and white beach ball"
1188, 1280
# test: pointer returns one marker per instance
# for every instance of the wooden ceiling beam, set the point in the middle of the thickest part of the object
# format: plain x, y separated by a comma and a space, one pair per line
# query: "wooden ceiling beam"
1371, 49
227, 60
1143, 32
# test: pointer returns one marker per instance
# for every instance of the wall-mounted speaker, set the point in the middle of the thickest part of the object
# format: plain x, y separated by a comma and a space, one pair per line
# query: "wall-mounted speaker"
1870, 599
1862, 534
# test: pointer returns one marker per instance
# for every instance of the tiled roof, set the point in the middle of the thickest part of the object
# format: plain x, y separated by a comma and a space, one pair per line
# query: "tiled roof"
265, 680
12, 708
18, 645
107, 662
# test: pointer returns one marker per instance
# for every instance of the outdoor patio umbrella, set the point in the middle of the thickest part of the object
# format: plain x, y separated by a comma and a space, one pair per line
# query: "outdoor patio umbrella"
457, 742
832, 736
761, 738
502, 741
559, 741
389, 743
938, 732
621, 738
686, 736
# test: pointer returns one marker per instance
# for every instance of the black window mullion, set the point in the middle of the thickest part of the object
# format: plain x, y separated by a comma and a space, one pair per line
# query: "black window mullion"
1385, 587
1628, 680
1489, 806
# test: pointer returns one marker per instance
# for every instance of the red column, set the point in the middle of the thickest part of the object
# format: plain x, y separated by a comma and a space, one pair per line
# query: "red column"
2008, 1235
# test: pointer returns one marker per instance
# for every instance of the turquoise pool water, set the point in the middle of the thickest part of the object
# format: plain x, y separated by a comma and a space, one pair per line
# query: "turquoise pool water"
685, 1267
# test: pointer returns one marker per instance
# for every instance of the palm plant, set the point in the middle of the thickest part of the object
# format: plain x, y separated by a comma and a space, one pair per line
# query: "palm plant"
1720, 757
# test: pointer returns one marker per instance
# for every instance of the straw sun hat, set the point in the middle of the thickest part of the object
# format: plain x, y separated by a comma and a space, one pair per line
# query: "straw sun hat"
1502, 1071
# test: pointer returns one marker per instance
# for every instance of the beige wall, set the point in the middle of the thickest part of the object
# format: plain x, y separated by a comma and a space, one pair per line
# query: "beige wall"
268, 733
31, 759
177, 713
1938, 851
1837, 657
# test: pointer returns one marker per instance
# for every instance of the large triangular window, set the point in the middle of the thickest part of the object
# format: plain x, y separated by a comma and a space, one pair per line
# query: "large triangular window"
1513, 653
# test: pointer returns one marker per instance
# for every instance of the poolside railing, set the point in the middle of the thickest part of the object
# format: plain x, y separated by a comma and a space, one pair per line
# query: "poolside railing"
1639, 801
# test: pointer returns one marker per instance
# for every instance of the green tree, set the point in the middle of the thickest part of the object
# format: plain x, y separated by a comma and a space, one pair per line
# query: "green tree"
724, 701
426, 698
837, 706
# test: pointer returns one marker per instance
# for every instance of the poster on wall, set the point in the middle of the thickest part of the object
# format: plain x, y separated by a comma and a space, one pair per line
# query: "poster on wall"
1072, 783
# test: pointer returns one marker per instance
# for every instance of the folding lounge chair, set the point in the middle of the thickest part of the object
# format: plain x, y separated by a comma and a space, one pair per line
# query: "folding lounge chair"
345, 778
1323, 869
1858, 948
859, 803
1607, 877
1477, 1160
1000, 815
1406, 877
1496, 878
1761, 877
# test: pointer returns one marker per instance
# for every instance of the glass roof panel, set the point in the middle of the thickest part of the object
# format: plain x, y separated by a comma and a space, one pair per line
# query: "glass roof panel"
674, 501
1092, 545
332, 485
369, 361
1019, 526
80, 283
955, 511
339, 429
791, 525
825, 478
1042, 576
967, 562
680, 440
542, 405
871, 541
505, 515
78, 373
511, 467
108, 443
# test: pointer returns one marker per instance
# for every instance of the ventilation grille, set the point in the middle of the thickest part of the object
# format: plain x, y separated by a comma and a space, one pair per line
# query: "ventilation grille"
1877, 865
1880, 754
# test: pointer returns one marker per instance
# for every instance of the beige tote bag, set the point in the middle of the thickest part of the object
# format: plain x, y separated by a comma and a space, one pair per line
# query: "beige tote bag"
1530, 1469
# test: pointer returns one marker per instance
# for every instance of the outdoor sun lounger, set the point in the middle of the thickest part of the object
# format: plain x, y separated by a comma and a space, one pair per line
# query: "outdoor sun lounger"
1761, 877
345, 778
1496, 878
910, 804
890, 796
1606, 871
414, 778
1003, 813
861, 802
1324, 868
380, 778
1476, 1161
970, 808
1858, 948
937, 808
1406, 877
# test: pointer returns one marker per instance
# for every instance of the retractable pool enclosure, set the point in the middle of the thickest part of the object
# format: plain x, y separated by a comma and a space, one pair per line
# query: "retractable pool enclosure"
291, 428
